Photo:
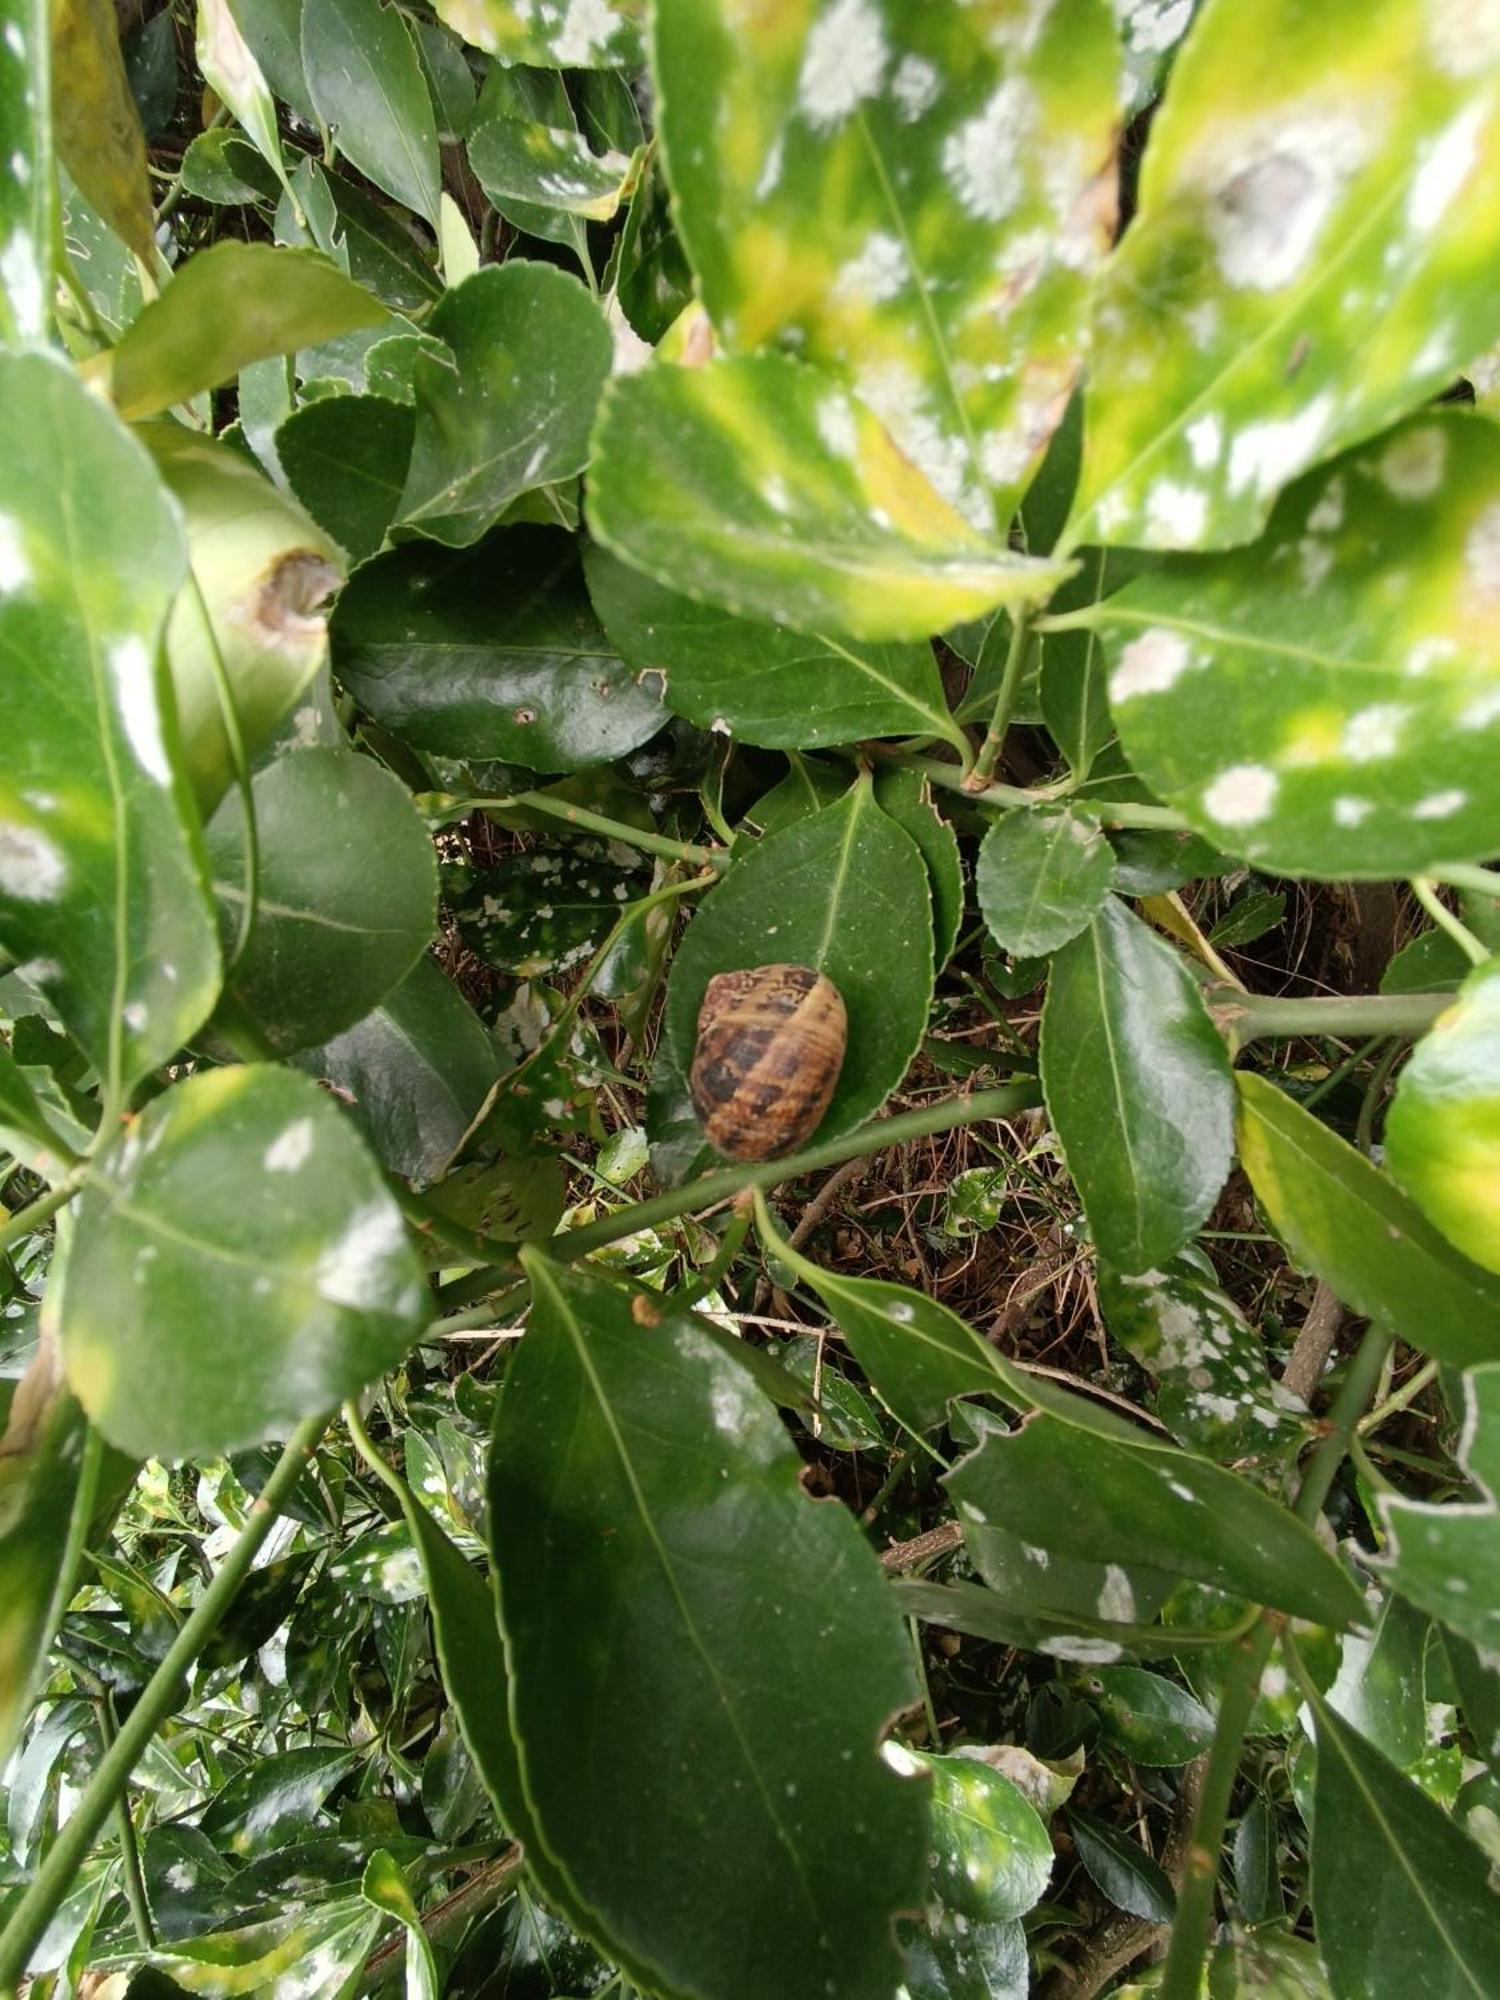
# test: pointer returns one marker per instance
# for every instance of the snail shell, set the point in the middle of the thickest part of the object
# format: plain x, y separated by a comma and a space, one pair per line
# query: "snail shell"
770, 1047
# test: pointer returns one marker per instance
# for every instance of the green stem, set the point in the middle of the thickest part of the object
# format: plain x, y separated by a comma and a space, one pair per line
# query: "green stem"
1398, 1400
160, 1697
1195, 1904
1248, 1017
1109, 812
130, 1854
35, 1213
1443, 917
239, 764
441, 808
1468, 875
719, 1183
1005, 703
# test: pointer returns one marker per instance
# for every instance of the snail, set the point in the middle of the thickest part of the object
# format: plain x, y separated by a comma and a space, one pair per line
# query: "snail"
770, 1047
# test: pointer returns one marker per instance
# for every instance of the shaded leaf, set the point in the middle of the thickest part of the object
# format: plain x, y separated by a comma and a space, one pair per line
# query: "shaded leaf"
977, 1962
545, 911
1447, 1558
220, 166
906, 797
1442, 1132
294, 1286
991, 1855
367, 87
761, 485
346, 459
98, 128
1150, 1718
1122, 1869
1042, 877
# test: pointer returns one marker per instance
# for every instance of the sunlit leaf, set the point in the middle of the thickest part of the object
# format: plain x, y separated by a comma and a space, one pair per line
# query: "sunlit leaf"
335, 1938
558, 34
1442, 1132
1314, 189
387, 1888
367, 86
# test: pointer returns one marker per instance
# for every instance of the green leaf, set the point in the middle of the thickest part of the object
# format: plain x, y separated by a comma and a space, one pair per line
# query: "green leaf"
101, 892
261, 570
335, 1938
384, 1885
413, 1074
1381, 1685
273, 31
1126, 1500
1121, 1869
550, 166
1006, 1618
367, 87
558, 34
226, 307
1257, 1875
1328, 702
1150, 1718
363, 238
761, 485
534, 97
492, 652
23, 1121
97, 126
1213, 1388
545, 911
238, 1265
991, 1857
1435, 1926
906, 797
760, 682
221, 167
512, 411
844, 891
1342, 1219
1447, 1558
1442, 1133
1138, 1088
346, 460
642, 1489
1306, 182
975, 1962
916, 198
27, 191
332, 935
233, 74
1042, 877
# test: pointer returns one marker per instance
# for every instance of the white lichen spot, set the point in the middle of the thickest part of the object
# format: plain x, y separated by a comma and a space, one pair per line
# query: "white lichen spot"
1152, 27
135, 694
915, 86
15, 41
1412, 467
1150, 664
843, 63
32, 870
1265, 456
770, 172
877, 273
1004, 457
291, 1149
1116, 1597
1427, 654
1205, 440
773, 492
1350, 811
1463, 36
1175, 514
1440, 805
21, 282
15, 570
899, 398
1481, 711
1446, 165
135, 1017
1374, 732
1314, 561
1241, 795
835, 420
735, 1409
1273, 193
1329, 512
586, 29
1482, 551
1077, 1646
982, 159
355, 1270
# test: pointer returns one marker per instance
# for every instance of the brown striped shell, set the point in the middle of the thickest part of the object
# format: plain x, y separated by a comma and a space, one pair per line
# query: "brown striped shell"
770, 1047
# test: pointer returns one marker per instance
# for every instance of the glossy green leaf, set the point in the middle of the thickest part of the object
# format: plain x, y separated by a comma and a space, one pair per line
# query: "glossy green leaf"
760, 682
1256, 914
384, 1885
492, 652
549, 165
1042, 877
976, 1962
916, 198
234, 75
367, 86
530, 97
512, 411
22, 1119
294, 1286
1213, 1388
273, 31
1003, 1618
226, 307
1381, 1686
906, 797
1257, 1875
1447, 1558
335, 1938
262, 571
332, 934
221, 167
364, 237
27, 192
413, 1074
1122, 1869
1344, 1220
1328, 702
659, 1437
1315, 187
1152, 1719
346, 460
1123, 1500
1442, 1133
101, 893
558, 34
760, 484
97, 126
1434, 1927
845, 892
991, 1856
1138, 1088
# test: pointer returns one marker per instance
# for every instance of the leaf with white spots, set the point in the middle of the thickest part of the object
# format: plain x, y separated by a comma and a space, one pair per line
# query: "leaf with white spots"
553, 34
101, 894
915, 197
1151, 32
652, 1543
548, 166
1313, 256
1328, 702
26, 183
991, 1856
761, 484
1138, 1088
1442, 1133
1446, 1559
238, 1265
